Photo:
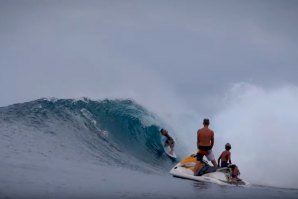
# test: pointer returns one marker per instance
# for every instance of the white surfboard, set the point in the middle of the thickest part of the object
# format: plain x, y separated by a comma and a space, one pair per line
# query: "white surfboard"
168, 150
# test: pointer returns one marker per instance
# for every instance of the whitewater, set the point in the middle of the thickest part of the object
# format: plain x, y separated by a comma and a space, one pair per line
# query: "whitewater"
70, 148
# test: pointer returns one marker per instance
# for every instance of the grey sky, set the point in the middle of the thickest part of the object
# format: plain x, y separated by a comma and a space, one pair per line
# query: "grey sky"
178, 58
186, 51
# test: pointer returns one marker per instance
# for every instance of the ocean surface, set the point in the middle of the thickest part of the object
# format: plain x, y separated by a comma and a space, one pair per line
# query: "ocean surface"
67, 148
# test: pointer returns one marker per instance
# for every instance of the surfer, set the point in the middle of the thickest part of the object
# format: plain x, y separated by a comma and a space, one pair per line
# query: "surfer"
225, 157
205, 142
170, 141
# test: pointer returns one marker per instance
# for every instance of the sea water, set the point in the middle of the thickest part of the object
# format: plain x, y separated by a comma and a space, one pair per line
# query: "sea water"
64, 148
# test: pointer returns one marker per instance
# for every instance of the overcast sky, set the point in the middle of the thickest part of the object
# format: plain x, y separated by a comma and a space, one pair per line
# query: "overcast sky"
233, 61
159, 51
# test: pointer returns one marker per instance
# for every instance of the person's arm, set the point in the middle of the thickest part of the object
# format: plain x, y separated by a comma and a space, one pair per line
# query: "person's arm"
165, 144
218, 161
229, 158
198, 139
212, 139
171, 142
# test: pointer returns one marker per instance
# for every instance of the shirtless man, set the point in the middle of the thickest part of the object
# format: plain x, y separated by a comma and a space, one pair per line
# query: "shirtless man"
205, 142
225, 157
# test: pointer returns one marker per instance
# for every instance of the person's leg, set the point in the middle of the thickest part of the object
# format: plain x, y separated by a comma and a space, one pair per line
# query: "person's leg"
224, 164
172, 147
200, 157
211, 158
199, 163
214, 163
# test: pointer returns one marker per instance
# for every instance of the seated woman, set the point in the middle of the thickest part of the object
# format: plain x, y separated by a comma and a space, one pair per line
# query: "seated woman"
235, 172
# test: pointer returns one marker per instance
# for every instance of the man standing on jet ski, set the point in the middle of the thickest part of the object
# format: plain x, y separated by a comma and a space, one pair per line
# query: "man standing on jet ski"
205, 142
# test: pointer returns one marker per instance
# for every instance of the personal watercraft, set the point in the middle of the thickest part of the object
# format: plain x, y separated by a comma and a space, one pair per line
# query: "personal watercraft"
222, 176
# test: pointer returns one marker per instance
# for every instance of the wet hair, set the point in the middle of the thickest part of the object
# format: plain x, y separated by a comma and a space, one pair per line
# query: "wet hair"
161, 130
228, 146
232, 166
206, 121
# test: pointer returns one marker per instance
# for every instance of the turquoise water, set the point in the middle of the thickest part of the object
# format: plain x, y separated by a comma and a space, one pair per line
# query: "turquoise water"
56, 148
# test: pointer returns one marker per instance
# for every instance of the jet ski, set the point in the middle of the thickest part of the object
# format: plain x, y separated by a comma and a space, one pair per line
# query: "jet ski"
221, 176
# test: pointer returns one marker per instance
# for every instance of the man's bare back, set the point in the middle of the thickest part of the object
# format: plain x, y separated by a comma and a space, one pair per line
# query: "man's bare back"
225, 156
205, 137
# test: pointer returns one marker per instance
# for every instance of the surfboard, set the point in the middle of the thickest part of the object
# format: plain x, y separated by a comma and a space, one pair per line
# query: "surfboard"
168, 150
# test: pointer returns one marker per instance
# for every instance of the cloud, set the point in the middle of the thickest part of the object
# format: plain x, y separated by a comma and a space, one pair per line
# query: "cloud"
195, 49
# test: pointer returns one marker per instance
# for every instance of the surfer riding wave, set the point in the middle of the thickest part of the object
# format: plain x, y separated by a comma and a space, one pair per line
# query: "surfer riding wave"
169, 140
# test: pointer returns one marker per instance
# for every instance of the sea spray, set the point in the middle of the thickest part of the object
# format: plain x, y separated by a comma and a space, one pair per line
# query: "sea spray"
261, 124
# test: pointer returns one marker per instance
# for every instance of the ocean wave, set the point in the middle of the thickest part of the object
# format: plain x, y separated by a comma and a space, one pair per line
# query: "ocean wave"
117, 132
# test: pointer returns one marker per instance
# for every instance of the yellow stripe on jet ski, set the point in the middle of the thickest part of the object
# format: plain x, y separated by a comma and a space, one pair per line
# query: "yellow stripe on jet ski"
190, 162
189, 159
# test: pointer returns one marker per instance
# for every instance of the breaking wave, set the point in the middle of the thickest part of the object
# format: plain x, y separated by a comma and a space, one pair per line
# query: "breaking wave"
109, 132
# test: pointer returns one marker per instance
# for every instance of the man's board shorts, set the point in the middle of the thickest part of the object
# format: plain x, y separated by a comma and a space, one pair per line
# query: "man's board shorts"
208, 153
224, 164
